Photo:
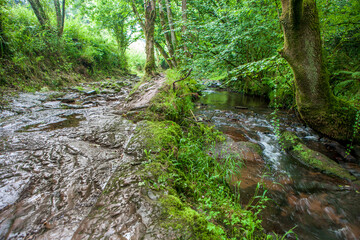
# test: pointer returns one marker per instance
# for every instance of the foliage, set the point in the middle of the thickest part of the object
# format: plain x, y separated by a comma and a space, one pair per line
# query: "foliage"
198, 199
37, 54
114, 16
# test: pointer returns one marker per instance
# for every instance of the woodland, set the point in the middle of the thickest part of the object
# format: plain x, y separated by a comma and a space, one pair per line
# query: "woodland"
302, 56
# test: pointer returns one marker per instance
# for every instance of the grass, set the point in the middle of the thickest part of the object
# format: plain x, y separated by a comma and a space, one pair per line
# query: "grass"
198, 200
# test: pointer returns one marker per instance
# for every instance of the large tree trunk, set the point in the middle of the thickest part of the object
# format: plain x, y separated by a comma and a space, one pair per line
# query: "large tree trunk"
149, 28
303, 51
167, 36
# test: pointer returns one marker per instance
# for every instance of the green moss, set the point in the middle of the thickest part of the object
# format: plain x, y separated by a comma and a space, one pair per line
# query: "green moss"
191, 223
195, 200
312, 158
335, 120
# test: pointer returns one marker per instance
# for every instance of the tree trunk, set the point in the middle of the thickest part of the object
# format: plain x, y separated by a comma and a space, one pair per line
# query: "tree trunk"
149, 28
316, 104
164, 54
40, 13
171, 24
60, 16
167, 36
63, 18
183, 29
142, 25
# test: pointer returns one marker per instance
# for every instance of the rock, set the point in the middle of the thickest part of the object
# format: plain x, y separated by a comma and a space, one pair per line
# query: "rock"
241, 107
69, 98
71, 106
91, 92
107, 91
245, 151
313, 159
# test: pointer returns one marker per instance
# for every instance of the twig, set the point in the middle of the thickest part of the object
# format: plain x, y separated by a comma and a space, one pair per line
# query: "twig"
182, 79
193, 115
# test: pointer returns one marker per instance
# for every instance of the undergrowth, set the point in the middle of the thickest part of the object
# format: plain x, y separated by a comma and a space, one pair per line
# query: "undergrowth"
199, 201
38, 57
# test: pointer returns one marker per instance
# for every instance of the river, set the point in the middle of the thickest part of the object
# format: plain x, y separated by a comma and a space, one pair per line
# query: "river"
314, 205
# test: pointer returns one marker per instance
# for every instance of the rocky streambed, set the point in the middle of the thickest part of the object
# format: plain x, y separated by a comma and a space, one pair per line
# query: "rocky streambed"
68, 162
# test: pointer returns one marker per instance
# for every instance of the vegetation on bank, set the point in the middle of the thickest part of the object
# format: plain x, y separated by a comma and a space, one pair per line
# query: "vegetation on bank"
197, 198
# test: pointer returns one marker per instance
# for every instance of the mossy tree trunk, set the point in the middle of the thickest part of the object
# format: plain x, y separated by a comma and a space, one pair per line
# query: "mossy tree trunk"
149, 29
316, 104
40, 13
60, 16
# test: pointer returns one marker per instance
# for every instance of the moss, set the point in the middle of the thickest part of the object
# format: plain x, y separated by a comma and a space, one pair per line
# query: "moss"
312, 158
155, 136
335, 120
183, 218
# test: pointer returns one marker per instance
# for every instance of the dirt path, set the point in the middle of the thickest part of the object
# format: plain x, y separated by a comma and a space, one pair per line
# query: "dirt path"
68, 162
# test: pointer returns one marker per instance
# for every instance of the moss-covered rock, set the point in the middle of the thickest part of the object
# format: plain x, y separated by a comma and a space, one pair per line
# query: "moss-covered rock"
154, 137
311, 158
188, 222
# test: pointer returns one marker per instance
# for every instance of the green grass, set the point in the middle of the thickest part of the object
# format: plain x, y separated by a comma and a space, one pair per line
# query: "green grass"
198, 199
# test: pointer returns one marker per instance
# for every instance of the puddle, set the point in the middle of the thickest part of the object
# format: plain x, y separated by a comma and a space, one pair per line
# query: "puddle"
69, 121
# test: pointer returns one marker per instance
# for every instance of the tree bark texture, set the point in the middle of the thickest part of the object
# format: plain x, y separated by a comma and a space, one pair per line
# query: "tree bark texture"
60, 16
171, 23
183, 29
167, 36
149, 28
40, 13
142, 25
316, 104
164, 54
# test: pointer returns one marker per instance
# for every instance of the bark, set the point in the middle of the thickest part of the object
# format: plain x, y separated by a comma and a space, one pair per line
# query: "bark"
167, 36
58, 15
149, 28
142, 25
40, 13
303, 51
63, 18
183, 29
164, 54
171, 24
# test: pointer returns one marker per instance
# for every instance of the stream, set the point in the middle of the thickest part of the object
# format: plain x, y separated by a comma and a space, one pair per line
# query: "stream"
60, 152
314, 205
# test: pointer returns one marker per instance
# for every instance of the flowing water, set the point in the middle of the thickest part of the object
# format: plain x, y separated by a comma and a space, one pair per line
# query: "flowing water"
318, 206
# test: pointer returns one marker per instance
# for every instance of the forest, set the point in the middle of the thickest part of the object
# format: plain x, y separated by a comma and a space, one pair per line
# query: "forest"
226, 119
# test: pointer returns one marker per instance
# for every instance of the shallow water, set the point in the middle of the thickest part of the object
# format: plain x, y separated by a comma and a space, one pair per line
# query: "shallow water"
318, 206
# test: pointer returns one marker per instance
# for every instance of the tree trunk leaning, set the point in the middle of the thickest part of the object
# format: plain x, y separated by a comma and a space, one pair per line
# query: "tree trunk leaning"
317, 106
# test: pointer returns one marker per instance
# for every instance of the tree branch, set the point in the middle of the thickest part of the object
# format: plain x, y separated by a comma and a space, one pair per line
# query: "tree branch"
182, 79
